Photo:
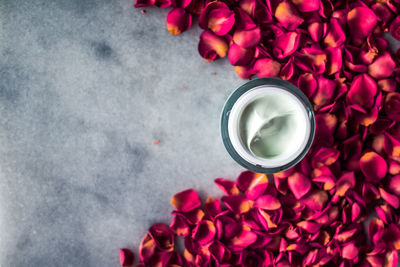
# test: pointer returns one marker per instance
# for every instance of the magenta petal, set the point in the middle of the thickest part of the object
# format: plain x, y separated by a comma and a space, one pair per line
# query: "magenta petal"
267, 202
299, 184
244, 72
178, 21
144, 3
179, 225
243, 239
392, 106
237, 203
186, 200
309, 226
211, 46
316, 30
349, 251
217, 17
394, 185
382, 67
335, 36
373, 166
387, 85
361, 21
325, 156
326, 90
126, 257
315, 200
239, 56
334, 60
389, 198
267, 67
285, 44
362, 91
247, 38
147, 249
307, 83
162, 236
395, 28
228, 187
288, 16
204, 232
307, 5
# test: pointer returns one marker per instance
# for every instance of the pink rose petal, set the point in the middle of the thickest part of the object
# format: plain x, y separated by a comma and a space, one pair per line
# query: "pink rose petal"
186, 200
373, 166
288, 16
211, 46
299, 184
178, 21
217, 17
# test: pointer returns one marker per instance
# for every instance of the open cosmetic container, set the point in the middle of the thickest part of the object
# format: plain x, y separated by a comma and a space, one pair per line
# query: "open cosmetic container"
267, 125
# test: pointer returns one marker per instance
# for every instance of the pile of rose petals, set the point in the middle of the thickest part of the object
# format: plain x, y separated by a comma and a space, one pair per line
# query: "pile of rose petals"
313, 214
299, 220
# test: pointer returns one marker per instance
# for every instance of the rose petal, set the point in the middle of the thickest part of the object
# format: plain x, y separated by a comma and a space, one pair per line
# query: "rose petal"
325, 91
162, 236
146, 249
345, 182
362, 91
392, 106
334, 60
126, 257
288, 16
178, 21
285, 44
144, 3
373, 166
267, 202
391, 259
247, 38
311, 60
211, 46
267, 67
217, 17
163, 3
315, 200
307, 5
204, 232
335, 36
179, 225
389, 198
243, 239
361, 21
325, 156
244, 72
308, 226
239, 56
382, 67
299, 184
212, 207
394, 28
349, 251
316, 30
307, 84
186, 200
228, 187
387, 85
237, 203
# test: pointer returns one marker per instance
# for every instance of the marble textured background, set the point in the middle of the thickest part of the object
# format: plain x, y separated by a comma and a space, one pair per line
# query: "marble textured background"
86, 87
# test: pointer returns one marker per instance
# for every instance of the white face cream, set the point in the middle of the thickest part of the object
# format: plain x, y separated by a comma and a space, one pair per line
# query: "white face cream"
270, 127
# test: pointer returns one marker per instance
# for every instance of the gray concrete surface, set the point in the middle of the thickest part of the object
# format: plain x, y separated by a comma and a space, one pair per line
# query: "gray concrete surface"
86, 87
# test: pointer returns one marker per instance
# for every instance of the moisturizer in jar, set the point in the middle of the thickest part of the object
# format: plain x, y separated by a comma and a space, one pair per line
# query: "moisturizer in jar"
267, 125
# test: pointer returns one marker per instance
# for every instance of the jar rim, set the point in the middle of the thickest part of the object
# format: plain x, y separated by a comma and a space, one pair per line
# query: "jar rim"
226, 112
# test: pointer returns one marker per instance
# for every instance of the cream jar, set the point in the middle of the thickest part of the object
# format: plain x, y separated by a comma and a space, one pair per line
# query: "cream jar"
267, 125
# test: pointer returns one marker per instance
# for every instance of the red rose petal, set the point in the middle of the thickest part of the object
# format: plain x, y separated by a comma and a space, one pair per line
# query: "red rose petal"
178, 21
186, 200
373, 166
